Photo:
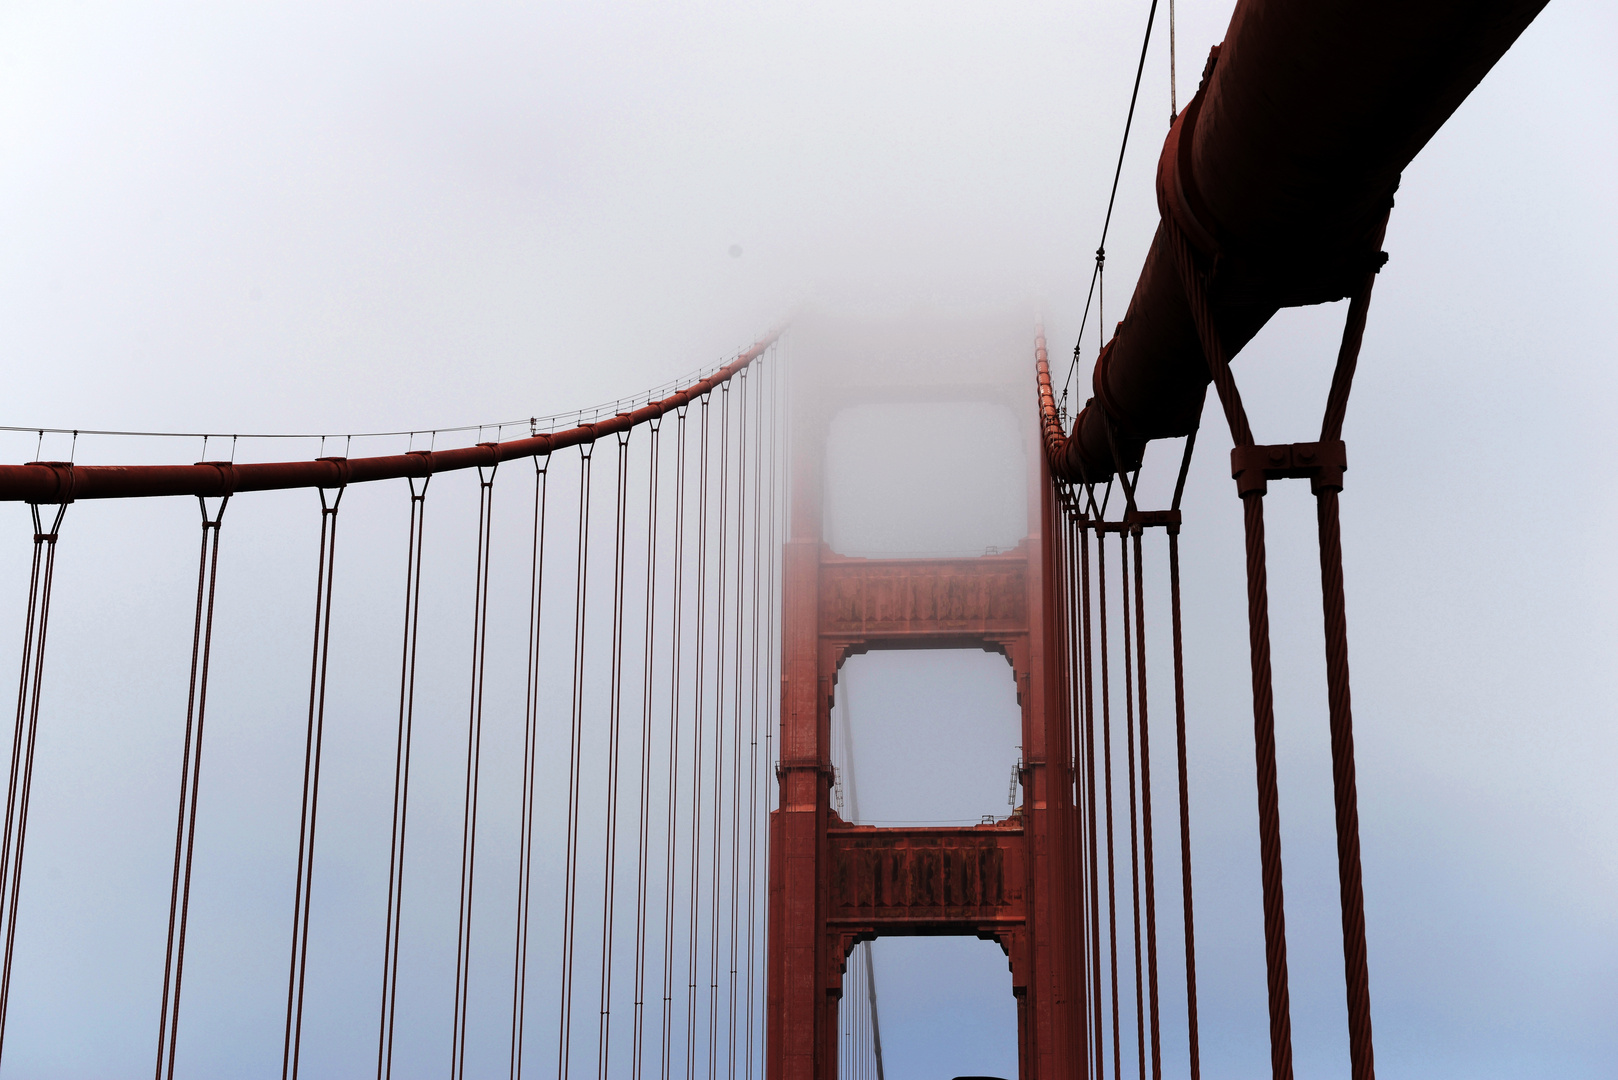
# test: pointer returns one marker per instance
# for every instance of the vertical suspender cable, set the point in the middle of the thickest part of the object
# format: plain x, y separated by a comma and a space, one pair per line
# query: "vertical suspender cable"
620, 541
719, 736
1129, 758
185, 828
696, 747
647, 683
1344, 785
752, 713
1147, 855
1192, 1047
1106, 757
772, 693
401, 776
736, 711
575, 750
474, 762
1086, 629
292, 1042
1072, 529
676, 673
19, 783
531, 696
1258, 626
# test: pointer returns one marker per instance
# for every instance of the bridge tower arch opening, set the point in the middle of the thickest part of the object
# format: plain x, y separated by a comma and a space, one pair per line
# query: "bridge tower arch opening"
944, 1008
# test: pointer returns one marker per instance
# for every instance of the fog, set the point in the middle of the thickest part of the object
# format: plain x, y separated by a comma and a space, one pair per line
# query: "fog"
344, 217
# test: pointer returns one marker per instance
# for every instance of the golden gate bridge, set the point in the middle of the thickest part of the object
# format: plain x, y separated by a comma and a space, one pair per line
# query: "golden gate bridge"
673, 833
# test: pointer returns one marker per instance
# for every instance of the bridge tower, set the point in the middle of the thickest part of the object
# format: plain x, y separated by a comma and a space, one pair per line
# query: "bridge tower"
834, 884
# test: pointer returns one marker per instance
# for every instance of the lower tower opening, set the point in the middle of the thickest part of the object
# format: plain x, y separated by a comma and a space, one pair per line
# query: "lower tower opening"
943, 1008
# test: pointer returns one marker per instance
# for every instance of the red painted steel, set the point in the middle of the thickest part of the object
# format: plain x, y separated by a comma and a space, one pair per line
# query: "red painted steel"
1280, 172
833, 884
60, 481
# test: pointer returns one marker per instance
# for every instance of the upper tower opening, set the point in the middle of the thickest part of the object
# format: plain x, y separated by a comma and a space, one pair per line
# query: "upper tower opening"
940, 478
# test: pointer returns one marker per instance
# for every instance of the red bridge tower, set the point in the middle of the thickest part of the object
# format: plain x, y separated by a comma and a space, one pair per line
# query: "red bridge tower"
834, 884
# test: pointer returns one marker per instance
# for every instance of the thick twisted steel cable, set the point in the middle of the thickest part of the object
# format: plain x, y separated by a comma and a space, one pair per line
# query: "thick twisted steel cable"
1110, 830
1258, 622
1357, 982
1134, 810
1147, 854
1352, 897
185, 827
1275, 943
1193, 1049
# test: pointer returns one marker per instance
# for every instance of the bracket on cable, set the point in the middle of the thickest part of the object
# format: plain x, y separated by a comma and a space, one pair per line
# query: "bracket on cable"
1321, 463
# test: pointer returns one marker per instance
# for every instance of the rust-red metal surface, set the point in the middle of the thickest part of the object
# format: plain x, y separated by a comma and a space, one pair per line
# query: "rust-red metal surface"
60, 481
1281, 172
833, 884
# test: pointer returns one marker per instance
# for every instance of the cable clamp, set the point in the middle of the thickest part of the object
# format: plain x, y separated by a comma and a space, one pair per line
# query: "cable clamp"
66, 481
1322, 464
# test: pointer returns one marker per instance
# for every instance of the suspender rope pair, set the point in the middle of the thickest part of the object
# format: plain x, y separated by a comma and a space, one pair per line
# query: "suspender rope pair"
401, 769
1322, 463
298, 966
19, 782
185, 829
1082, 521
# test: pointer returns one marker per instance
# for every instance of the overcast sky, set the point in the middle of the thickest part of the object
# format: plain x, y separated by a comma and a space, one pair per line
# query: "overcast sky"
346, 216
